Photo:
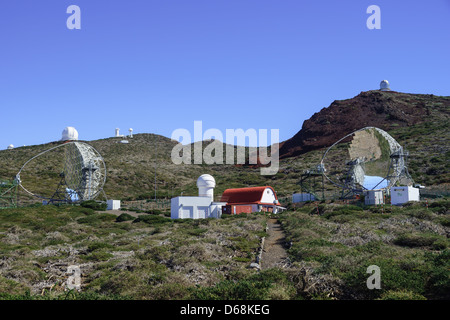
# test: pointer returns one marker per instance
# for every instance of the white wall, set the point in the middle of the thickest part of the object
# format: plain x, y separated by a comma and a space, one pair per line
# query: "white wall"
194, 208
113, 205
216, 209
268, 196
400, 195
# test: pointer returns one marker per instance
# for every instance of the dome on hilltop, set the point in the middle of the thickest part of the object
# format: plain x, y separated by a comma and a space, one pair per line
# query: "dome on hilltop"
384, 85
69, 133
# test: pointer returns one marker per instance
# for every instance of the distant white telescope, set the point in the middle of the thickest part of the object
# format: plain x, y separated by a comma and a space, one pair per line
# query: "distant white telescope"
384, 85
10, 147
131, 132
69, 133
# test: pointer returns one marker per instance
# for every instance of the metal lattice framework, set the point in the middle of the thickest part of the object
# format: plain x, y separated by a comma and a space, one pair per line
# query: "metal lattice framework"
82, 178
395, 172
8, 194
83, 170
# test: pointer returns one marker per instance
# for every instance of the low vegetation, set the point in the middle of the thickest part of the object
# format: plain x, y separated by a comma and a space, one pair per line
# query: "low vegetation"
149, 256
410, 245
140, 253
121, 256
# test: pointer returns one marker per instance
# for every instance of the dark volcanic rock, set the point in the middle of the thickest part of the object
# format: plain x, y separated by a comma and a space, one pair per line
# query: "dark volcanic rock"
382, 109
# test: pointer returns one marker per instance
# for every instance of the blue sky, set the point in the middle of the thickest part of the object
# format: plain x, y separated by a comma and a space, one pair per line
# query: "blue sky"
160, 65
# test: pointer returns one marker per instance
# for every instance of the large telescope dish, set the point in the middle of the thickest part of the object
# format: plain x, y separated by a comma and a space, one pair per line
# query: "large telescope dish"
366, 159
71, 172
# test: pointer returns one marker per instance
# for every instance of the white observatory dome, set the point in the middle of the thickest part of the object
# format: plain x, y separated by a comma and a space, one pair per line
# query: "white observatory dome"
10, 147
206, 180
206, 185
69, 133
384, 85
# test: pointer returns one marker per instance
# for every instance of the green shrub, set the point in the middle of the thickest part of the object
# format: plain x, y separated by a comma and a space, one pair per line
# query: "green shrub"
440, 207
97, 218
418, 240
153, 220
445, 221
401, 295
154, 211
254, 287
170, 291
99, 245
439, 280
86, 211
196, 231
342, 210
97, 256
244, 243
92, 204
395, 276
124, 217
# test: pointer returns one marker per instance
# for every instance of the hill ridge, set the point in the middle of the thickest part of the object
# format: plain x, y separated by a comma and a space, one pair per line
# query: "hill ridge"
386, 110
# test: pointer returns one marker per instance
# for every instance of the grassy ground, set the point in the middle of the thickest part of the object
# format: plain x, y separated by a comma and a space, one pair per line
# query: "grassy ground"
151, 257
409, 244
154, 257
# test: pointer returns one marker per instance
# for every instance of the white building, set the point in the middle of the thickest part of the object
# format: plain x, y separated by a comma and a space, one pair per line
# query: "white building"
251, 199
117, 133
400, 195
69, 133
113, 205
10, 147
200, 207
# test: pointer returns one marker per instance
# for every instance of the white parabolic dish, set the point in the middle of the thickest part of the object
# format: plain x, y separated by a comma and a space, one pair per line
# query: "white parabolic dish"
83, 173
370, 154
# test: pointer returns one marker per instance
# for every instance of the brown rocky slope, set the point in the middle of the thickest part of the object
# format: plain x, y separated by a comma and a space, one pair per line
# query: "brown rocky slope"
383, 109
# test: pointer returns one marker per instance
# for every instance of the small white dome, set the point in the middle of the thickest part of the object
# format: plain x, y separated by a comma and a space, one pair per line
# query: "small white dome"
11, 146
384, 85
206, 181
69, 133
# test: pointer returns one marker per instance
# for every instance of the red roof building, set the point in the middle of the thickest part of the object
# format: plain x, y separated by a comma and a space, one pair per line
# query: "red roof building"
248, 200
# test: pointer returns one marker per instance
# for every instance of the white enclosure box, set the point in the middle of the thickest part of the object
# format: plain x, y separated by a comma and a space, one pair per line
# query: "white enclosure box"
113, 205
301, 197
374, 197
400, 195
195, 208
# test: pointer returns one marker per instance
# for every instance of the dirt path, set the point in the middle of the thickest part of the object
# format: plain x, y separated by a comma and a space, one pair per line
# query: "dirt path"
274, 253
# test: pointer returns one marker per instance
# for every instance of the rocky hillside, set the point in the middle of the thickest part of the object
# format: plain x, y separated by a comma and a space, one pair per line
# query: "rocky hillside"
418, 122
386, 110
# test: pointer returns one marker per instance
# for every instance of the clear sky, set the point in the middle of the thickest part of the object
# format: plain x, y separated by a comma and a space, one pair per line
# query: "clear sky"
159, 65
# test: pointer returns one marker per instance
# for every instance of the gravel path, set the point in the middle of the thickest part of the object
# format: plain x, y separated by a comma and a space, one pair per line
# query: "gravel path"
274, 253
